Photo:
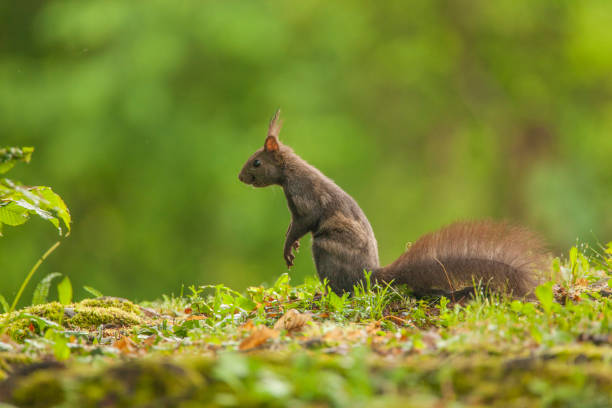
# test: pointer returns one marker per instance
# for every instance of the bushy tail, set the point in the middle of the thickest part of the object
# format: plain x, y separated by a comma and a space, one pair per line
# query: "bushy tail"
498, 255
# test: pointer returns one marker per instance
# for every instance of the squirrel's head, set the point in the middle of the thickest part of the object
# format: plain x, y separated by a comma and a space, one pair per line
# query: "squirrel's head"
265, 166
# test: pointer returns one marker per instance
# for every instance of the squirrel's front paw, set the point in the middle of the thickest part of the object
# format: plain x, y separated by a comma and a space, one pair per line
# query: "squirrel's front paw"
296, 245
289, 257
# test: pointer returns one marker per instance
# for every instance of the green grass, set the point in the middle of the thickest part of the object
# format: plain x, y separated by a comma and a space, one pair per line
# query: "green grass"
213, 346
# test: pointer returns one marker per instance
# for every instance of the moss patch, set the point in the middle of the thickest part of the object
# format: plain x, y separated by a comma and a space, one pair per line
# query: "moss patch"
51, 311
117, 303
88, 315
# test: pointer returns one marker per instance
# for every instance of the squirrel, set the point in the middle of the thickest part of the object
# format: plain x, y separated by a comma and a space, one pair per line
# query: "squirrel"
502, 256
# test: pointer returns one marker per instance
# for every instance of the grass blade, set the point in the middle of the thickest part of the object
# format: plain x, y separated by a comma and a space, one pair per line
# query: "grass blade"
4, 303
31, 273
92, 291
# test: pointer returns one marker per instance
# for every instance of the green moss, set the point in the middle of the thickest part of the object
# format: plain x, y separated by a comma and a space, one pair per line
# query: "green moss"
52, 311
40, 389
124, 305
87, 317
19, 328
88, 314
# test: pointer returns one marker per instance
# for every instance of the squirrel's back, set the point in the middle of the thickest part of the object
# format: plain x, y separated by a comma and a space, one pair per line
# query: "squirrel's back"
498, 255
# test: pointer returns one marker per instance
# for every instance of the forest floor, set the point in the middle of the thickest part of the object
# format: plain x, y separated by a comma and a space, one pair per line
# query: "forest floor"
295, 346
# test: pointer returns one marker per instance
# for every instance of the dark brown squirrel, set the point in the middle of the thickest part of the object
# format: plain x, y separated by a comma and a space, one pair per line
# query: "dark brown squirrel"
498, 255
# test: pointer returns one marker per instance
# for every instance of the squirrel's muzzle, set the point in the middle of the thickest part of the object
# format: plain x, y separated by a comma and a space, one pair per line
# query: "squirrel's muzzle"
246, 178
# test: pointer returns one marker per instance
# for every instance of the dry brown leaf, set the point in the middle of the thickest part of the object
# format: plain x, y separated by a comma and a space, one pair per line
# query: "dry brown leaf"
582, 282
248, 325
125, 345
149, 341
196, 317
293, 321
258, 337
373, 328
334, 335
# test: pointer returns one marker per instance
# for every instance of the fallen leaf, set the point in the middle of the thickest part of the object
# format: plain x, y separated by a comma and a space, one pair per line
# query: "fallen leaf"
293, 321
373, 328
149, 341
125, 345
582, 282
258, 337
248, 325
196, 317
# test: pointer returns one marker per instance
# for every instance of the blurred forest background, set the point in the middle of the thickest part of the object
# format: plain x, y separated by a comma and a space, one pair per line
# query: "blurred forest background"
143, 112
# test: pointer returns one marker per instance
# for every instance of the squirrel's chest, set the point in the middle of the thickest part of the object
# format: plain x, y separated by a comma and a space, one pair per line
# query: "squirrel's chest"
304, 206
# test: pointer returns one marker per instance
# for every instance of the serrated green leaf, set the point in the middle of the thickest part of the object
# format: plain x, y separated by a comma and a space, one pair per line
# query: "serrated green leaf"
55, 205
35, 209
19, 202
64, 290
245, 303
13, 214
282, 281
336, 302
93, 291
41, 292
4, 303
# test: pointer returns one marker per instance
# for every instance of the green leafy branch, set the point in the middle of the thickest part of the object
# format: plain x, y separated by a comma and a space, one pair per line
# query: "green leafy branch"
19, 202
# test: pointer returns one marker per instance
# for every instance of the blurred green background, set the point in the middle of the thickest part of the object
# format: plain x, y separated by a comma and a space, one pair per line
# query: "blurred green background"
143, 112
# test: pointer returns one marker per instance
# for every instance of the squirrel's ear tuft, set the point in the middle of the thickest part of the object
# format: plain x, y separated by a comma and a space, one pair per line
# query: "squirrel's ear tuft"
275, 125
271, 144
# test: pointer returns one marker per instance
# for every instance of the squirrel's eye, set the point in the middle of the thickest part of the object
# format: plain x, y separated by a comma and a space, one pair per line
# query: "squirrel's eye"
256, 163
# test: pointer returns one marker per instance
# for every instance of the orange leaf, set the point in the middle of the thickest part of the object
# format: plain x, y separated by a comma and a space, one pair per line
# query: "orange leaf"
125, 345
248, 325
373, 328
258, 337
149, 341
192, 317
582, 282
292, 321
